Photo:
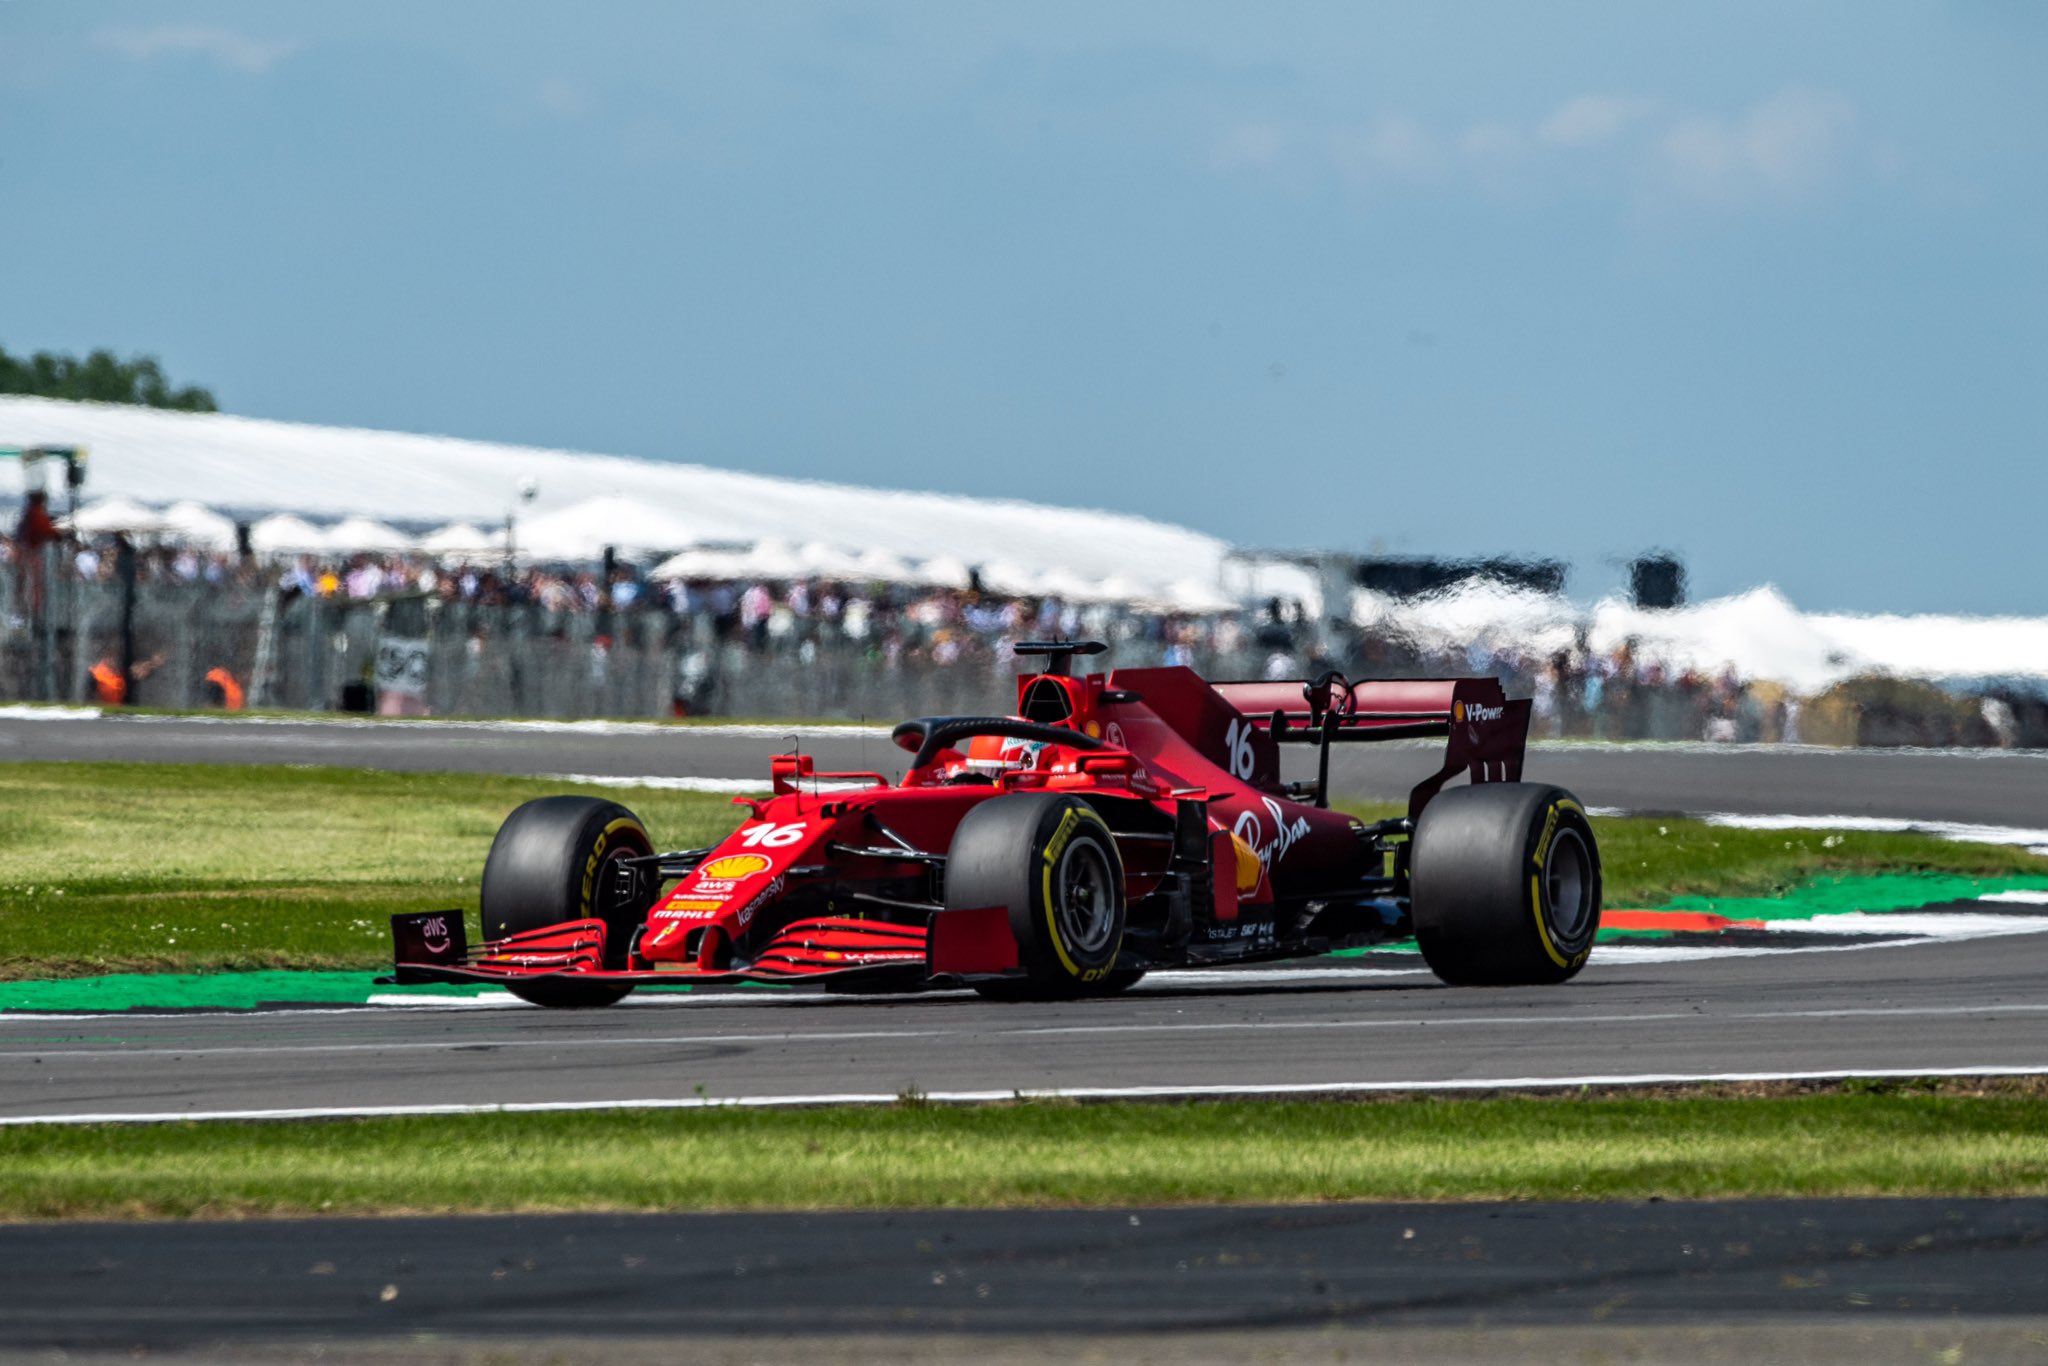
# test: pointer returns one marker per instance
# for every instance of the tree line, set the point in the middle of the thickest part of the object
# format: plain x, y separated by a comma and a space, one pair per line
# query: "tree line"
101, 377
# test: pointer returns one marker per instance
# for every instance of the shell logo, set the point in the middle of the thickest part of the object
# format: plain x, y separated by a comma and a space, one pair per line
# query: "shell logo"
734, 866
1458, 711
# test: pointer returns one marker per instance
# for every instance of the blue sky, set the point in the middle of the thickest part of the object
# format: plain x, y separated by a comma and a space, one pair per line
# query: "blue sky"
1767, 284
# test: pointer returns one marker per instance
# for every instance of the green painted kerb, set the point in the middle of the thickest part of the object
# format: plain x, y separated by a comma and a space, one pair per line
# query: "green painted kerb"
1840, 895
220, 991
1874, 893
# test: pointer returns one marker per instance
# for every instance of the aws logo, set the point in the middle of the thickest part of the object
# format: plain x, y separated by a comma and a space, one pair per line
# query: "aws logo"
1476, 712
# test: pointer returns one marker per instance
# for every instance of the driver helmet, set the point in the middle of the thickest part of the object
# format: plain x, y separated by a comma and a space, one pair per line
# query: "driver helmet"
993, 754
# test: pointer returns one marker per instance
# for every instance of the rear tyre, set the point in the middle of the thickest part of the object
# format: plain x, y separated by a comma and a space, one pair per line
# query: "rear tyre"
1050, 861
554, 860
1505, 880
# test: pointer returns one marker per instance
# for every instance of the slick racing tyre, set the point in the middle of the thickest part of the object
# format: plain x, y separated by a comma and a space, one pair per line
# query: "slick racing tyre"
1051, 862
1505, 880
553, 860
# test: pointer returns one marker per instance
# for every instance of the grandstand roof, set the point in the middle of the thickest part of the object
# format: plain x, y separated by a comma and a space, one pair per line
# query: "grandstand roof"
254, 466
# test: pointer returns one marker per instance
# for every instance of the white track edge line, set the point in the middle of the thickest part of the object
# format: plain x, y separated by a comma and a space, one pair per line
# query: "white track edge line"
1218, 1091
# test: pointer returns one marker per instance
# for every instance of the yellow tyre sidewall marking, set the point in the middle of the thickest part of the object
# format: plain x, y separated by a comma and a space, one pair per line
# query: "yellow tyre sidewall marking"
596, 859
1536, 886
1070, 821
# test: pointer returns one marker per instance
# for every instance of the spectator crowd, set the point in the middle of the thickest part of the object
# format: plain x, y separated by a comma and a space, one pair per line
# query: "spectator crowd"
1577, 690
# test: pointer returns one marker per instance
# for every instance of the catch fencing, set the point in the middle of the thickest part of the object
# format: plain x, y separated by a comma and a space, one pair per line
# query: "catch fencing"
429, 655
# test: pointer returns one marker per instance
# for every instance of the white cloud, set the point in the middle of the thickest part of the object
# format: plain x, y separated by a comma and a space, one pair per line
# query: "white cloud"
1394, 143
1779, 150
1783, 148
1591, 119
237, 51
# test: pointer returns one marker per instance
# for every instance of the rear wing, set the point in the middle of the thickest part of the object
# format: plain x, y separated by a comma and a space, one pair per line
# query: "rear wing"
1485, 730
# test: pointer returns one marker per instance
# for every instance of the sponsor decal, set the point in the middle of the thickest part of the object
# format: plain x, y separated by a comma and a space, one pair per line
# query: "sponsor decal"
761, 898
1479, 713
769, 835
665, 933
684, 907
1249, 829
732, 868
1237, 749
1115, 736
1242, 929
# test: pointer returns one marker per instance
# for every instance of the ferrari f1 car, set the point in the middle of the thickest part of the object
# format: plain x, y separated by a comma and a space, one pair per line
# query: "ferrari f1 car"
1116, 824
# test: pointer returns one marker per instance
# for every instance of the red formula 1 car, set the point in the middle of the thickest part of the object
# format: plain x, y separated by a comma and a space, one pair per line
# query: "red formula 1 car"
1116, 824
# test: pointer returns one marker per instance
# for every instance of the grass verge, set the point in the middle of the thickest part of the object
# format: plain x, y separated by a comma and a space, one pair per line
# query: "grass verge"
157, 867
1981, 1139
161, 867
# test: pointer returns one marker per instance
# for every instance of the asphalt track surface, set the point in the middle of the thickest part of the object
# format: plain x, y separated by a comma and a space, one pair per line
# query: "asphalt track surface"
1984, 787
1193, 1278
1965, 1006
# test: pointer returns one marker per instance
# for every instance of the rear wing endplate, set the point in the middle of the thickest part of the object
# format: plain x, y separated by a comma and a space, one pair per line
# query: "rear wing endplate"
1486, 732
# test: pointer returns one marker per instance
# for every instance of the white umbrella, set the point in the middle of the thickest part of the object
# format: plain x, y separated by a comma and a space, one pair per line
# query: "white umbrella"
1066, 585
1011, 580
1117, 588
582, 530
774, 559
881, 566
944, 572
284, 534
363, 533
461, 538
828, 561
1195, 595
719, 563
118, 514
195, 525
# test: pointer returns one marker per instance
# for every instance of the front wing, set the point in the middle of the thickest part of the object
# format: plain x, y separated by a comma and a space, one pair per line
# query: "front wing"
834, 951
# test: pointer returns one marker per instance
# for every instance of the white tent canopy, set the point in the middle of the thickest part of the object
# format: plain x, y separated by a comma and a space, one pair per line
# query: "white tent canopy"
829, 561
703, 563
880, 566
199, 526
943, 572
283, 534
582, 530
463, 538
364, 534
109, 515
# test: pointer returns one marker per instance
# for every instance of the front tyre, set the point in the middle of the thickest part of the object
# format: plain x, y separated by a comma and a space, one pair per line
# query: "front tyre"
555, 860
1050, 861
1505, 882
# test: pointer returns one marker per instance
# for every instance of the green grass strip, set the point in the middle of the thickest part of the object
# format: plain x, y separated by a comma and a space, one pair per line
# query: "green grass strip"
1044, 1155
112, 868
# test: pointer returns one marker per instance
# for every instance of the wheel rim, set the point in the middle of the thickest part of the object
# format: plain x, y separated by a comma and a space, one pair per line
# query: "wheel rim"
607, 904
1568, 881
1087, 899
